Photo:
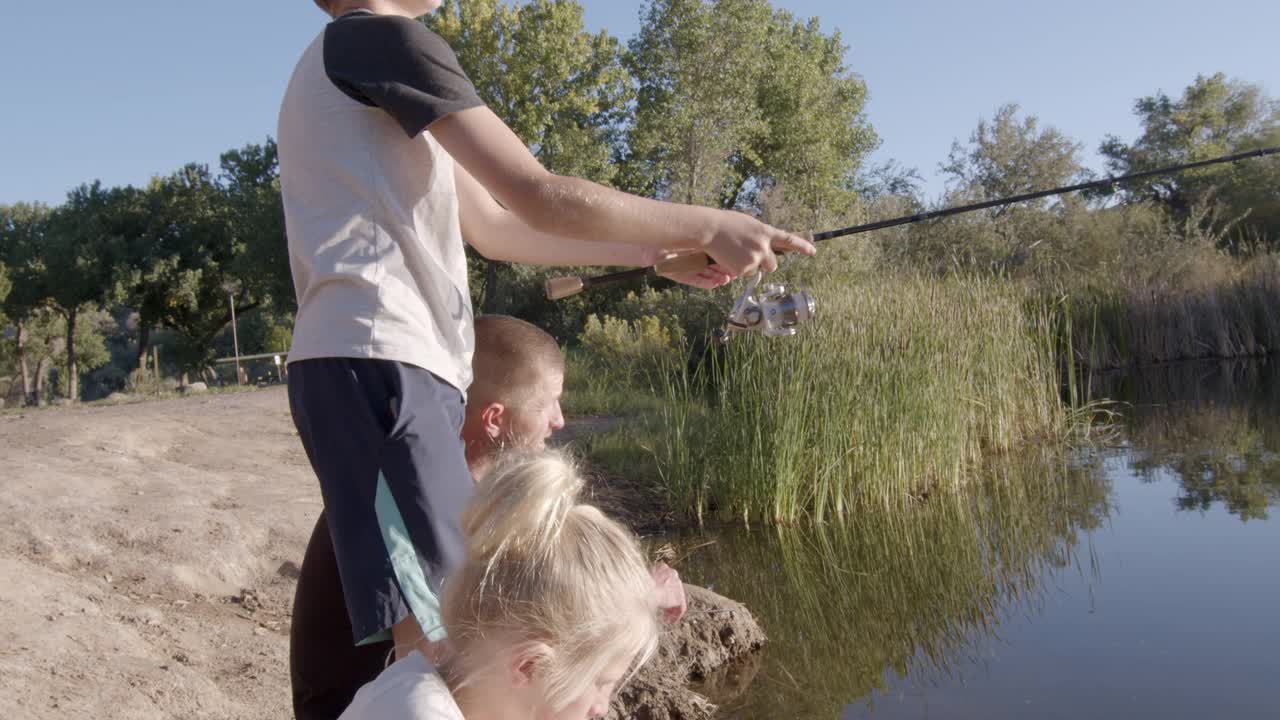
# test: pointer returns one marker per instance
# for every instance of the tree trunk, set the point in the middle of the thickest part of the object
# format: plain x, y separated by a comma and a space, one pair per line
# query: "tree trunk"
489, 303
42, 370
144, 341
73, 377
22, 362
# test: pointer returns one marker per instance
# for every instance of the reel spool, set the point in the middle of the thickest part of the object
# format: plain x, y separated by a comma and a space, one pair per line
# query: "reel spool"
773, 311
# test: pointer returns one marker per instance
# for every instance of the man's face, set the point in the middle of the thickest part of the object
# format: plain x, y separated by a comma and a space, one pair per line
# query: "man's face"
421, 7
529, 423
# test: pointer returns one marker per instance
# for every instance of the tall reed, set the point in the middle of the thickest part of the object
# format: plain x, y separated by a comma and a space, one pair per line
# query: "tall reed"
1125, 325
899, 390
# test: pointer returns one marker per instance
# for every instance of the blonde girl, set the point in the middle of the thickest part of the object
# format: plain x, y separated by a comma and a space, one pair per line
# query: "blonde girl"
553, 608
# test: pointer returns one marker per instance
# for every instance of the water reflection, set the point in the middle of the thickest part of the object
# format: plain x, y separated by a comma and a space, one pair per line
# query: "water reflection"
970, 604
1212, 427
911, 593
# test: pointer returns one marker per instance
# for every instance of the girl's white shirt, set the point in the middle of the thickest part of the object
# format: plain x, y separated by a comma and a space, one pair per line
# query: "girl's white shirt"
410, 689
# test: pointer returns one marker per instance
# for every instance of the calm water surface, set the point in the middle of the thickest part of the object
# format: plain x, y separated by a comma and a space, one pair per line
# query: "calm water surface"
1137, 580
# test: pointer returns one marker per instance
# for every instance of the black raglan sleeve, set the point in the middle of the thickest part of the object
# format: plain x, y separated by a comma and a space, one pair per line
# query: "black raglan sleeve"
397, 64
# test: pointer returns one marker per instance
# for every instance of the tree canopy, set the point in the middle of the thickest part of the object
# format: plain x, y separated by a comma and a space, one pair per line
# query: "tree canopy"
1215, 116
726, 103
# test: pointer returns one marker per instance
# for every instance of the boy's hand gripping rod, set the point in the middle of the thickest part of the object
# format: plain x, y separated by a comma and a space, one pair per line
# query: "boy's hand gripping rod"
563, 287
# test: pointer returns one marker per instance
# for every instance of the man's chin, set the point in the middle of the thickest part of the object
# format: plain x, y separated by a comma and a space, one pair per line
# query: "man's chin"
527, 442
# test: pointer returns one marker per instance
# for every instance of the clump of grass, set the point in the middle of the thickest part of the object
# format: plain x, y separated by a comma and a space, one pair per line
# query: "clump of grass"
1125, 325
900, 390
611, 371
590, 389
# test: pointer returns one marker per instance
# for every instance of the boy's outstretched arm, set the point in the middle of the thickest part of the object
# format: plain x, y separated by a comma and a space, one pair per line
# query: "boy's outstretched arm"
498, 234
565, 207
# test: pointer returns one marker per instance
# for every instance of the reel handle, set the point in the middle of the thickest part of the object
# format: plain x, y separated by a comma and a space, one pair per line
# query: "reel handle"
559, 288
562, 287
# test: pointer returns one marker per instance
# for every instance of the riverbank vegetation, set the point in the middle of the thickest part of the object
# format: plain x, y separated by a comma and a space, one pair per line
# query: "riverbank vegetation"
936, 344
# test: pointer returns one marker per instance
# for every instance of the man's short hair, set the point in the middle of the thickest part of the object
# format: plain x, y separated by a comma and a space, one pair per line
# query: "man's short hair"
324, 5
511, 355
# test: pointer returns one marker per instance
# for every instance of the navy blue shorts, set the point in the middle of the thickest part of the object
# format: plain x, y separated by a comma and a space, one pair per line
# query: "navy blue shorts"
384, 440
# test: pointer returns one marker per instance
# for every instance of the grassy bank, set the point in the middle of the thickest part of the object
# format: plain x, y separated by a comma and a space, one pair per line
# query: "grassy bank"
899, 390
910, 380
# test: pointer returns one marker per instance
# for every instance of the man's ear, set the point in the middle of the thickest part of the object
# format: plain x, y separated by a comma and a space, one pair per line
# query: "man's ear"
491, 418
526, 659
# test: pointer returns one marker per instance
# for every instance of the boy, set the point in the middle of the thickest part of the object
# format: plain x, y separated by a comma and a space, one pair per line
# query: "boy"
388, 160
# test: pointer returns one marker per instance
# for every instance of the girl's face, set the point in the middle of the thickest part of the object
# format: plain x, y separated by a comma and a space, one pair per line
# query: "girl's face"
594, 703
514, 690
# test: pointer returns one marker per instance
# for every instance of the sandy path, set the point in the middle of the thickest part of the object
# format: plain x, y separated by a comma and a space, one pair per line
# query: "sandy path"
147, 558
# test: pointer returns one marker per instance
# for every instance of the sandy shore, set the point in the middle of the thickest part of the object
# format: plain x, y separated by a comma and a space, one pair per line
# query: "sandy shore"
147, 558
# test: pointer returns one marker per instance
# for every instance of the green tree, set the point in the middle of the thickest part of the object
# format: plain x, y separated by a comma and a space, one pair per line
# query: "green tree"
202, 235
1214, 116
154, 263
90, 344
817, 135
561, 89
22, 235
263, 331
250, 180
192, 264
45, 350
1009, 155
43, 347
740, 105
5, 287
698, 68
82, 254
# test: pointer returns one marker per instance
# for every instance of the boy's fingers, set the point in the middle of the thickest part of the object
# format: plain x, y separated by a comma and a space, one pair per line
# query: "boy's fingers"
702, 280
769, 262
728, 276
790, 242
716, 275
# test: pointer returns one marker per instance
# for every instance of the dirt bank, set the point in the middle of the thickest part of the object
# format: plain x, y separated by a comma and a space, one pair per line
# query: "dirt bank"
147, 557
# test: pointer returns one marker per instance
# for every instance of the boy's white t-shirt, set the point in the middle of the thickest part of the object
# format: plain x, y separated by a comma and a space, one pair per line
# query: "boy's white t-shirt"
371, 209
410, 689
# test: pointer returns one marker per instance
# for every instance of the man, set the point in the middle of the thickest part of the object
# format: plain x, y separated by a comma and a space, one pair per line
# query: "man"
514, 402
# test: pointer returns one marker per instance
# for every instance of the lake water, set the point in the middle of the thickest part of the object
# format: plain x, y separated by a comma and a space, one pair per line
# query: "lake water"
1136, 579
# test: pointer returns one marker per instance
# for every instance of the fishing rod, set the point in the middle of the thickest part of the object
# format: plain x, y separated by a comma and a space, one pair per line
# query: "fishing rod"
777, 312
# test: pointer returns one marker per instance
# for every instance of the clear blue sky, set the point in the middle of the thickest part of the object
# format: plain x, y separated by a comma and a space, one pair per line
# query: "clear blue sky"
123, 91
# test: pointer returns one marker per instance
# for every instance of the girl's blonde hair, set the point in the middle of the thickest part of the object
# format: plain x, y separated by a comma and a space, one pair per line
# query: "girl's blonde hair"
543, 567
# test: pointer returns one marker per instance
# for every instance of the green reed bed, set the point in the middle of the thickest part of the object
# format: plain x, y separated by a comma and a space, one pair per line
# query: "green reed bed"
899, 390
1122, 325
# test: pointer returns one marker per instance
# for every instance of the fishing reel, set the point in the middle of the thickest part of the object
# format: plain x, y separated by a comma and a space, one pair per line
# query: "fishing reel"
769, 309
